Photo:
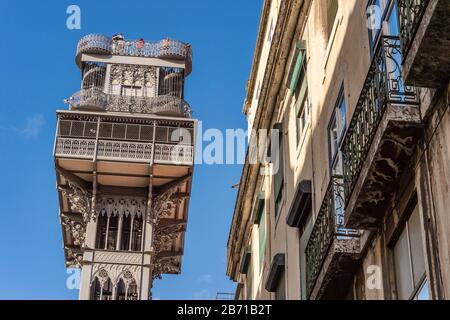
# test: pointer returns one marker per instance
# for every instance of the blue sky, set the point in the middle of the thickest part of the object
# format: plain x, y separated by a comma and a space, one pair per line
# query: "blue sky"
38, 71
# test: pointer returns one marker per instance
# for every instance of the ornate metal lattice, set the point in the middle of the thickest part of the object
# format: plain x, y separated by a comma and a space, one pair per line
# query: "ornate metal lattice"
384, 84
121, 206
328, 226
166, 48
410, 15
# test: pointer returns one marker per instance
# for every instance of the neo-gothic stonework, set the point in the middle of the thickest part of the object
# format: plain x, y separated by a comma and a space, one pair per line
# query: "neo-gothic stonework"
115, 263
165, 265
165, 236
121, 206
118, 257
115, 272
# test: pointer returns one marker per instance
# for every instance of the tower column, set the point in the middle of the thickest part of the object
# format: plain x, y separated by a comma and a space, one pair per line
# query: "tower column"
119, 232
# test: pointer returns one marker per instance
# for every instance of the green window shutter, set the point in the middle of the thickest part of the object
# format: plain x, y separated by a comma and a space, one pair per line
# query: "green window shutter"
299, 59
279, 175
262, 238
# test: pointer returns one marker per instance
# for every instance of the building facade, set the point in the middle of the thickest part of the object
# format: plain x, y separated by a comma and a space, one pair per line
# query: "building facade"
124, 163
358, 92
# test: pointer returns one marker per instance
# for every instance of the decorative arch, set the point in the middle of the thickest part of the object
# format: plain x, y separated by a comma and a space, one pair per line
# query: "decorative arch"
126, 287
101, 286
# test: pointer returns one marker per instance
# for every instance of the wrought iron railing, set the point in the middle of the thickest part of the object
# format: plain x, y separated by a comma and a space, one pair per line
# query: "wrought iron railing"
410, 15
384, 84
124, 151
158, 104
88, 98
94, 43
160, 49
95, 97
75, 148
328, 226
166, 48
170, 153
81, 148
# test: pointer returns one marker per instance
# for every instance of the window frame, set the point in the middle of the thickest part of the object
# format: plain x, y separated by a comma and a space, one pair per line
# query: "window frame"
302, 115
404, 227
279, 197
332, 158
374, 38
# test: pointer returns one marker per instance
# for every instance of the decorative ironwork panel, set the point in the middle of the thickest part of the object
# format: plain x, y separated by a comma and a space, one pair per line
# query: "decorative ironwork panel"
89, 98
166, 48
94, 43
122, 150
173, 154
384, 84
95, 97
75, 148
121, 206
159, 49
328, 226
410, 15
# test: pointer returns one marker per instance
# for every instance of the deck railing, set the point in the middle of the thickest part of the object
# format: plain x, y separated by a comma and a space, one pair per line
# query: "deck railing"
81, 148
166, 48
384, 84
96, 98
328, 226
410, 15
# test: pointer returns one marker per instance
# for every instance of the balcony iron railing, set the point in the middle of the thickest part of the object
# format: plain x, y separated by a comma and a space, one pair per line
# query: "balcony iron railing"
96, 98
166, 48
81, 148
328, 226
124, 151
410, 16
95, 44
88, 98
383, 85
75, 148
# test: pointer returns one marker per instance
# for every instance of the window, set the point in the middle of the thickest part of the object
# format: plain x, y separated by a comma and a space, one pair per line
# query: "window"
336, 130
332, 7
131, 91
262, 236
383, 18
99, 292
301, 105
126, 293
108, 229
279, 171
409, 261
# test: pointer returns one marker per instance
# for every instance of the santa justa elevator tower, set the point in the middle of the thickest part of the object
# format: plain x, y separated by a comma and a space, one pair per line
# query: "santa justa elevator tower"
124, 154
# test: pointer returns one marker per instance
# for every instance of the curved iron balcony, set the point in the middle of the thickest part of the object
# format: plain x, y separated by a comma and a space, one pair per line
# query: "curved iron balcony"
384, 85
93, 98
330, 245
96, 99
166, 48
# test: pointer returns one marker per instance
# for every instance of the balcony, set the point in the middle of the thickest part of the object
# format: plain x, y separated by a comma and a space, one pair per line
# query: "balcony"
98, 139
94, 99
164, 49
332, 250
424, 30
78, 148
381, 138
89, 99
